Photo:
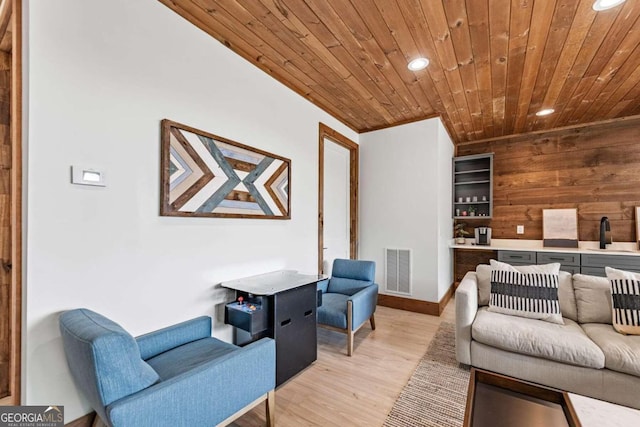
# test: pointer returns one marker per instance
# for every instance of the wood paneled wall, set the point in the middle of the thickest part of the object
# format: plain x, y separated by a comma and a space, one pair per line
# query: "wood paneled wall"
595, 169
467, 259
6, 326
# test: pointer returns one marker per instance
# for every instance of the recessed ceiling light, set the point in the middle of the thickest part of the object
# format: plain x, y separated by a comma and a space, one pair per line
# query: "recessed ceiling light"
545, 112
418, 64
606, 4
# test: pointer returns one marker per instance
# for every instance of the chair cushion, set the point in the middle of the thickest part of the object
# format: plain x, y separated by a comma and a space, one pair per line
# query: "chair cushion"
104, 358
188, 356
621, 353
156, 342
354, 269
333, 311
339, 285
566, 343
593, 299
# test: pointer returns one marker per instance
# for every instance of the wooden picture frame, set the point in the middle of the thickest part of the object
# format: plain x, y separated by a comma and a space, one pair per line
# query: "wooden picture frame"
206, 175
560, 228
638, 226
491, 395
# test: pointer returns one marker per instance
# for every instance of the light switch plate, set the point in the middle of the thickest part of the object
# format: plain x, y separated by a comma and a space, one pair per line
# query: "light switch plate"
520, 229
87, 176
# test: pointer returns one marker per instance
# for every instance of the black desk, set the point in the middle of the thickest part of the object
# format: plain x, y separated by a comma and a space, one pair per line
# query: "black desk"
285, 310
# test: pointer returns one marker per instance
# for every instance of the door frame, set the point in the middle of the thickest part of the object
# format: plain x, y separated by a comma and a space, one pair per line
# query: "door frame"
337, 138
14, 7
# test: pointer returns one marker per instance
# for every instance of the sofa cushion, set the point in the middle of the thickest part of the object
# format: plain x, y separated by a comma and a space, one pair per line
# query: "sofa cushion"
621, 353
625, 300
532, 295
566, 294
593, 299
483, 275
566, 343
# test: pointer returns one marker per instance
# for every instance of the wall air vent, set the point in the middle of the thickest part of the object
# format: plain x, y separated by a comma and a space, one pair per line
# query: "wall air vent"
398, 271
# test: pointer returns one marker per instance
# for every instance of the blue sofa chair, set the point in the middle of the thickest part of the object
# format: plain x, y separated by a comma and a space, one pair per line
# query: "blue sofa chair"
349, 298
176, 376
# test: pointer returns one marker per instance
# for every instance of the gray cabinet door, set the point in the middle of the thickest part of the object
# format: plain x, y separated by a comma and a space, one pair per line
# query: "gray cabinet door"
594, 264
517, 257
564, 258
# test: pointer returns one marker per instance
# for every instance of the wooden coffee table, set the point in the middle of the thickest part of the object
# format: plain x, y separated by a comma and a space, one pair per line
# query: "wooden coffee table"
498, 401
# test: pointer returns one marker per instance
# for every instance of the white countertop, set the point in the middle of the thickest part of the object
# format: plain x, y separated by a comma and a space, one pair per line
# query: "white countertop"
273, 282
584, 247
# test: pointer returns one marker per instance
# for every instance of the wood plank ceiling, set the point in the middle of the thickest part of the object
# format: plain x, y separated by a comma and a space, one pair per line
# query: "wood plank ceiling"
494, 63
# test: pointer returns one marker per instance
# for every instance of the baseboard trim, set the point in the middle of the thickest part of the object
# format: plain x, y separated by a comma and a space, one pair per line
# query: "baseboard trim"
416, 305
85, 421
446, 298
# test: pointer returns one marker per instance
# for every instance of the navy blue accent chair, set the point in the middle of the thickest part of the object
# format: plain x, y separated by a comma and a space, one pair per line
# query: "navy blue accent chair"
349, 298
176, 376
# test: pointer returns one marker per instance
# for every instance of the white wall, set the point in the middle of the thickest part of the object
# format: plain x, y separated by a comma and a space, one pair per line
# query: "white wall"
445, 220
101, 76
405, 196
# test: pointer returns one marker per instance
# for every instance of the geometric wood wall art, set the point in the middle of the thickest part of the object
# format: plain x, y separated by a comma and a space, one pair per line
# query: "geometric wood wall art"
205, 175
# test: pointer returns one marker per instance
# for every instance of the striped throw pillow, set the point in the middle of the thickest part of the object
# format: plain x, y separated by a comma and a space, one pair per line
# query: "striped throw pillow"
531, 295
625, 299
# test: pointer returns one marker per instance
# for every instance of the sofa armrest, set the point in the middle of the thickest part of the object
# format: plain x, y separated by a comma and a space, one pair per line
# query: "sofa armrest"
466, 309
165, 339
205, 395
364, 304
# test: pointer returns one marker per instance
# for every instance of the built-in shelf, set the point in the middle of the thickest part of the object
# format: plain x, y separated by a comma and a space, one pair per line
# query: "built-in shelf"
472, 171
484, 181
473, 177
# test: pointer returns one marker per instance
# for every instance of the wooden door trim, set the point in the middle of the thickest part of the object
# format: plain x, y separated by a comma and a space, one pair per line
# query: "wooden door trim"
16, 201
336, 137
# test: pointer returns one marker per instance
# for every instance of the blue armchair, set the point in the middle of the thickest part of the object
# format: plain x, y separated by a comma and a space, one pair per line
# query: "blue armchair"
176, 376
349, 298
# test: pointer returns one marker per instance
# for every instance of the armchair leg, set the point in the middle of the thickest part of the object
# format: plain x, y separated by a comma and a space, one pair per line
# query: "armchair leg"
372, 320
349, 328
271, 408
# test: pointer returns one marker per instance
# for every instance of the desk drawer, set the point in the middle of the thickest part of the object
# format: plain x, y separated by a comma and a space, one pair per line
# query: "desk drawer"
562, 258
517, 257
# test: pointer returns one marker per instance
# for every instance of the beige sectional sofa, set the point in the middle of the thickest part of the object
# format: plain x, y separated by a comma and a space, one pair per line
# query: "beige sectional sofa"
584, 356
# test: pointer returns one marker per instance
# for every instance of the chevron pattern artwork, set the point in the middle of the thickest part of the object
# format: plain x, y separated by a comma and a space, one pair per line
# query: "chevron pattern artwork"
207, 175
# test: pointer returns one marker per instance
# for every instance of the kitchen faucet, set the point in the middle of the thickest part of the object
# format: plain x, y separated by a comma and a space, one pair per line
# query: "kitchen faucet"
605, 232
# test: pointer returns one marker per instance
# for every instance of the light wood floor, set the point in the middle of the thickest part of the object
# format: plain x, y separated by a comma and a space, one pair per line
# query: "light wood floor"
338, 390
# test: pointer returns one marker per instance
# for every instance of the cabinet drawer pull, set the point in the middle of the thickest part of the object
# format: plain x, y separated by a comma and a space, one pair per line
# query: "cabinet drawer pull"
285, 322
556, 259
308, 313
516, 256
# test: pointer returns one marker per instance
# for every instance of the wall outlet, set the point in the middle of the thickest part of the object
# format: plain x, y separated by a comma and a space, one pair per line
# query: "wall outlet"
520, 229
